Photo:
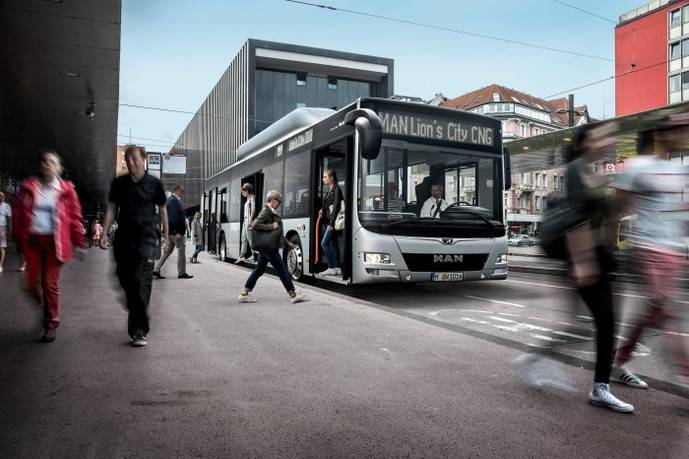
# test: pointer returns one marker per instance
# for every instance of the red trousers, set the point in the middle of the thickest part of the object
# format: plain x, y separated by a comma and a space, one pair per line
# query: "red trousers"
660, 269
43, 266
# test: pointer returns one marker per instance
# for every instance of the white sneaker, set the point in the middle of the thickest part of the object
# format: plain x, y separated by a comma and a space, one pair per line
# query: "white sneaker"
601, 396
329, 272
22, 268
627, 377
246, 298
0, 269
298, 297
338, 271
240, 260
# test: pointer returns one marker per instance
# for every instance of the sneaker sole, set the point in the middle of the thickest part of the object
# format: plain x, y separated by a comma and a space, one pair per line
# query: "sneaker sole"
611, 407
635, 386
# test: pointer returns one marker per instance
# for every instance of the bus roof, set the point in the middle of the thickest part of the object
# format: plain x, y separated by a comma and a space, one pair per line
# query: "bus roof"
295, 120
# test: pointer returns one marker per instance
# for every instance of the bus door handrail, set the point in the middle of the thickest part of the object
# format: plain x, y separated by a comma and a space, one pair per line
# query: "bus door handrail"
318, 239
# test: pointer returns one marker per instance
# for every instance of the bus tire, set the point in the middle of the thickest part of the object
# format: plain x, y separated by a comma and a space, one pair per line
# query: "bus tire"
294, 259
222, 248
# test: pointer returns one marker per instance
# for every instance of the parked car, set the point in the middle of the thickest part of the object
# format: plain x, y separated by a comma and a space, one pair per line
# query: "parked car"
521, 240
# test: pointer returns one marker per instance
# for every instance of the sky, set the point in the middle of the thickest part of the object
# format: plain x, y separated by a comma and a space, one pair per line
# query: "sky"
174, 51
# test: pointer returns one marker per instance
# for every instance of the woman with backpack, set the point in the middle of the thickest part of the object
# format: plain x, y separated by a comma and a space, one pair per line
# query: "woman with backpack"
332, 202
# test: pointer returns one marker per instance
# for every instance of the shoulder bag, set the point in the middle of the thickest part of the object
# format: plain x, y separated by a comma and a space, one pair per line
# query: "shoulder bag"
266, 241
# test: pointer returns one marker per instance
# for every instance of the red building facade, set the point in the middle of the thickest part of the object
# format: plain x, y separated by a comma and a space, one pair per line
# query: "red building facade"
652, 56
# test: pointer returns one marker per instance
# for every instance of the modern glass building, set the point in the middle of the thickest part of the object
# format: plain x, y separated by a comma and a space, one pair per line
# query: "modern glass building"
265, 81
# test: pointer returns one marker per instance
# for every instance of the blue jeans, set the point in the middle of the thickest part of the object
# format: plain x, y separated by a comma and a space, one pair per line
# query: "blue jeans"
330, 248
278, 264
199, 249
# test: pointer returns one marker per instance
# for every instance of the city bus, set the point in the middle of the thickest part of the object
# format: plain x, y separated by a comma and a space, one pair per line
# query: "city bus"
383, 152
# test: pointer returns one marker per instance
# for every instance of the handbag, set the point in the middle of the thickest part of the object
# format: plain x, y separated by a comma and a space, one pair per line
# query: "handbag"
340, 219
266, 241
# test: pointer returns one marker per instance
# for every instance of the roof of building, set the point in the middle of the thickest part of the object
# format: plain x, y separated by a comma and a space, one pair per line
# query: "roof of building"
485, 95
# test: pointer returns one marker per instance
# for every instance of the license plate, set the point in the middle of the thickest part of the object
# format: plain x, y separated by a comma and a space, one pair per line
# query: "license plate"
447, 277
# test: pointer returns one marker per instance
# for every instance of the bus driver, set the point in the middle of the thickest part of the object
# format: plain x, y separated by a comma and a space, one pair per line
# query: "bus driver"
435, 204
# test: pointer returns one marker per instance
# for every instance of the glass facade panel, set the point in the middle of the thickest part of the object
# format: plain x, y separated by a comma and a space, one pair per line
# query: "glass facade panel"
297, 185
278, 93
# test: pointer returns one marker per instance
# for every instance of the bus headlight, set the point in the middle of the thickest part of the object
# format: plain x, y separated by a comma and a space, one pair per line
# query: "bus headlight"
377, 258
502, 258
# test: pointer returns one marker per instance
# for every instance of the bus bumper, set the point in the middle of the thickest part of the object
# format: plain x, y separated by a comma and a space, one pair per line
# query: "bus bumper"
382, 275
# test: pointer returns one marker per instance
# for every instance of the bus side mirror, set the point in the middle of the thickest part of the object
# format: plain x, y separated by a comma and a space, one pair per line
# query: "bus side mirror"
508, 168
367, 125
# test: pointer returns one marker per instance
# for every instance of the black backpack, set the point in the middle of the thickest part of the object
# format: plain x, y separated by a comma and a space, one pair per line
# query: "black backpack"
559, 217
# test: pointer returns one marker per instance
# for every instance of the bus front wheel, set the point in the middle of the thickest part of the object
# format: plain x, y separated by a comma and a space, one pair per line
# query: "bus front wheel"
295, 259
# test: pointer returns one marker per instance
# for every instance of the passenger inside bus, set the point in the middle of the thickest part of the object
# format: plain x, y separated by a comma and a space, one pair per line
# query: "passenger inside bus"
395, 203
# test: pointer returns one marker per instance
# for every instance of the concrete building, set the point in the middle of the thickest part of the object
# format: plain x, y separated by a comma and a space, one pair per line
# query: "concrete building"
265, 81
59, 89
652, 56
522, 115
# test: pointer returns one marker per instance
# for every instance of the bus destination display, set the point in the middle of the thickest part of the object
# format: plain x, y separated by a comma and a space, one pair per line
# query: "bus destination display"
436, 128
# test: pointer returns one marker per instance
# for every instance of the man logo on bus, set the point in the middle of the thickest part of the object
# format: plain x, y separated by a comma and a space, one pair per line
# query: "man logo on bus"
448, 258
446, 241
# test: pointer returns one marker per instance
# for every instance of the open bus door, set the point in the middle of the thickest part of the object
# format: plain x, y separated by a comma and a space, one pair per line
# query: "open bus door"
336, 156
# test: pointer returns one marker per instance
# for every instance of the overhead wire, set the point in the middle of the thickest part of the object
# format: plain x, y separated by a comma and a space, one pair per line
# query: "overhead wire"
590, 13
453, 30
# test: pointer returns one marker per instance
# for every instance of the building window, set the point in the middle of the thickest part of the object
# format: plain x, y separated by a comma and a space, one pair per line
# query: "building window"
685, 86
522, 130
675, 85
538, 202
675, 19
675, 51
496, 97
685, 14
332, 83
301, 79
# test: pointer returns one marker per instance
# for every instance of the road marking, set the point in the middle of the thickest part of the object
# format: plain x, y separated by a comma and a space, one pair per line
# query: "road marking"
500, 319
544, 338
564, 287
482, 322
495, 301
572, 335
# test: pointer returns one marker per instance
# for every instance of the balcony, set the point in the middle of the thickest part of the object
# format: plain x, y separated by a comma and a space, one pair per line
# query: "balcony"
526, 187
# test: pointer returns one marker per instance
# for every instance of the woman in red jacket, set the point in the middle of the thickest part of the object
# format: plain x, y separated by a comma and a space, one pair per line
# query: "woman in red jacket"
47, 224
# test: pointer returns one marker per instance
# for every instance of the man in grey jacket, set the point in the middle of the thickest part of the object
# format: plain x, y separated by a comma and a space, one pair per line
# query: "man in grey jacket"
269, 220
178, 228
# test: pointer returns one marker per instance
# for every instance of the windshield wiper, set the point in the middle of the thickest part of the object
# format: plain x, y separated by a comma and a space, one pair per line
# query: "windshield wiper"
470, 212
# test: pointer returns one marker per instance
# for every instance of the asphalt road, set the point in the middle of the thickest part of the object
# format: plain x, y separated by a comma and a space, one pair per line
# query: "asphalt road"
389, 374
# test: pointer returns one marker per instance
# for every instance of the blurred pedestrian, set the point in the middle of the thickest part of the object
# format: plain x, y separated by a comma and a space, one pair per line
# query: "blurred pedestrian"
178, 229
268, 237
5, 227
586, 243
249, 209
196, 237
136, 199
96, 230
651, 187
47, 226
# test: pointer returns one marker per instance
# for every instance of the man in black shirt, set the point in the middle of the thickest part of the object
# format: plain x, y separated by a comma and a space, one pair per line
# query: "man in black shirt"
133, 201
178, 227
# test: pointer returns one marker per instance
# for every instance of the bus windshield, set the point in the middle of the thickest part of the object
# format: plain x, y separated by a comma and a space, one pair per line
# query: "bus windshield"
415, 189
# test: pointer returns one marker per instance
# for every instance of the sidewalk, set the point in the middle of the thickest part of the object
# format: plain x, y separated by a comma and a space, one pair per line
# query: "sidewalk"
328, 377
